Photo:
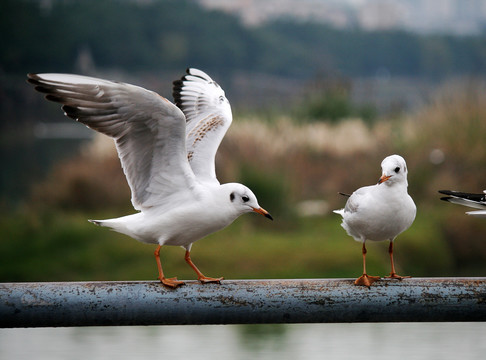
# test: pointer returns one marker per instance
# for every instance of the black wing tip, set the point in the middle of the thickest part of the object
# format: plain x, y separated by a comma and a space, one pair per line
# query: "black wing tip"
39, 85
190, 71
177, 86
71, 111
446, 198
463, 195
33, 79
344, 194
202, 76
49, 92
53, 97
32, 76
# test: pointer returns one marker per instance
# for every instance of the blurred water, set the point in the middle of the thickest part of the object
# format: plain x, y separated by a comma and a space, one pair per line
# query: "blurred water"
303, 341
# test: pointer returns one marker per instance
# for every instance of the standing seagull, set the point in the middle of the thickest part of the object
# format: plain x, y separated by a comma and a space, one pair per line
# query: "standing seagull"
167, 153
380, 212
476, 201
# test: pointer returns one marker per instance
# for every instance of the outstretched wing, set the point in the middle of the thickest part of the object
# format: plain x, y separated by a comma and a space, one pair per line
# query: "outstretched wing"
208, 115
149, 131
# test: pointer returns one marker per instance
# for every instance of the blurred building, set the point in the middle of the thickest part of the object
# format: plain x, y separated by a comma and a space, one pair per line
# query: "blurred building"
459, 17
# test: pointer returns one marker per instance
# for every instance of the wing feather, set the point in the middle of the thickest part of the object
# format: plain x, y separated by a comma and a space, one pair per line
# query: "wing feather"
477, 201
149, 131
208, 115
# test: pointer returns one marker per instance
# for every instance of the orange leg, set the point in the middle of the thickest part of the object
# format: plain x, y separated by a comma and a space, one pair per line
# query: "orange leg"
172, 282
365, 279
393, 274
200, 276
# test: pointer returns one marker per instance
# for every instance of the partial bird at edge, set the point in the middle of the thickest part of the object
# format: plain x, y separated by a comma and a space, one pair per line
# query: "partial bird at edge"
472, 200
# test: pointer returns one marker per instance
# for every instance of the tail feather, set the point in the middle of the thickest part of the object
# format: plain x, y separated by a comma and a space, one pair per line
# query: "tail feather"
96, 222
114, 224
341, 211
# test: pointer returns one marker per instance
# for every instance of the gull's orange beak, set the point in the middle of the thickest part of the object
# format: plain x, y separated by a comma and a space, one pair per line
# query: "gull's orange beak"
263, 212
384, 178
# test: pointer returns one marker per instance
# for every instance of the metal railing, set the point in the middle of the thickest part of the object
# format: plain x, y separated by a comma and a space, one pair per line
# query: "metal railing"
241, 302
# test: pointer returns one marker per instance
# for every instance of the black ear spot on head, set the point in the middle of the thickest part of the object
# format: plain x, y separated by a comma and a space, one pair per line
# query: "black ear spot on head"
232, 196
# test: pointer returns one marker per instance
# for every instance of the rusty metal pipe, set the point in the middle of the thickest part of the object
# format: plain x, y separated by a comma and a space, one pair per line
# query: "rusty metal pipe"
241, 302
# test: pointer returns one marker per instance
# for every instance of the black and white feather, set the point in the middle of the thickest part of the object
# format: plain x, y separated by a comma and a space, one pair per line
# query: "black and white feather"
208, 115
475, 201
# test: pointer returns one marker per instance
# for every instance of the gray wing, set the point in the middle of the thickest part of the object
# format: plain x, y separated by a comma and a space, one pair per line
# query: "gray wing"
208, 115
149, 131
352, 205
357, 197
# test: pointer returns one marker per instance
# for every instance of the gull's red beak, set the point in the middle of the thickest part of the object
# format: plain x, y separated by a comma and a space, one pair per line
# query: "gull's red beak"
384, 178
263, 212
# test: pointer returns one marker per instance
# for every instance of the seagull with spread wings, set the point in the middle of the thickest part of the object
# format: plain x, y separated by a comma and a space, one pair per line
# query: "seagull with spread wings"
167, 153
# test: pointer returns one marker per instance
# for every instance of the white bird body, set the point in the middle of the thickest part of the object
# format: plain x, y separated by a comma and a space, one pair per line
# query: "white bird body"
371, 212
162, 224
380, 212
167, 152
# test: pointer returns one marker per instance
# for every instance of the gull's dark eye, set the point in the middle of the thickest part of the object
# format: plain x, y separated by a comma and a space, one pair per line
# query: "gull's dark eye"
232, 196
397, 169
245, 198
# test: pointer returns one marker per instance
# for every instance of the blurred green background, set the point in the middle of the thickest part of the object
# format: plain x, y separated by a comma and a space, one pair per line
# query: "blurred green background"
315, 108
